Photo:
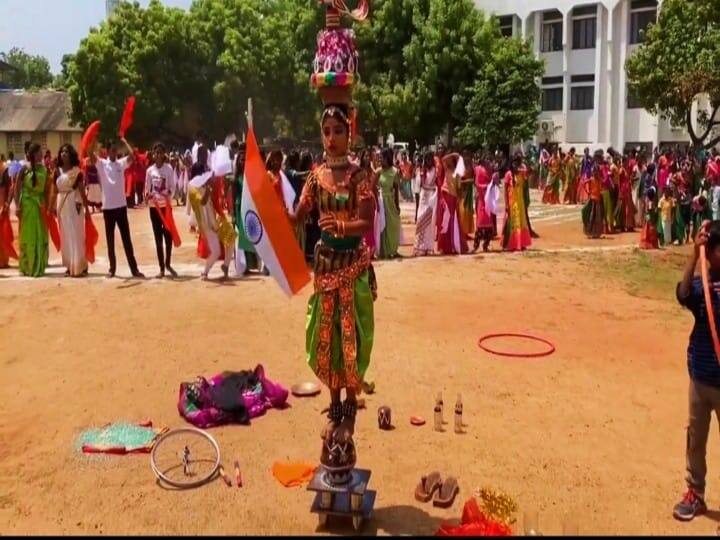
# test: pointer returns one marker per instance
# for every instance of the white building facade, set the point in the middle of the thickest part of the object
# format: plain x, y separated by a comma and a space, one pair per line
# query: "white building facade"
585, 98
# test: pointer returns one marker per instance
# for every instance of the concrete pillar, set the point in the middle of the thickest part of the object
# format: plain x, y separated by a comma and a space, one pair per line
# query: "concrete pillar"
567, 45
595, 129
622, 86
538, 32
524, 26
610, 84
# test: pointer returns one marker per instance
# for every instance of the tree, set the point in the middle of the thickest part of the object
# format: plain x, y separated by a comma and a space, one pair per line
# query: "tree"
503, 104
32, 72
678, 63
151, 53
443, 58
383, 96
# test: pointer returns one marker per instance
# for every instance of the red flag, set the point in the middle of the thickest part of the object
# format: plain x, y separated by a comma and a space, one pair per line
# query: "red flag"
6, 237
127, 116
91, 239
89, 138
166, 215
203, 250
52, 227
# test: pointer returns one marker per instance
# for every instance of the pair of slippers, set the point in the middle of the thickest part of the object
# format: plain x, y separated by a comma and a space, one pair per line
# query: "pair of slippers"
441, 492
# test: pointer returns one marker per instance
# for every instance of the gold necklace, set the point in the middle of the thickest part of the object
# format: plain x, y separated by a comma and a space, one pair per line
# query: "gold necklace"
337, 162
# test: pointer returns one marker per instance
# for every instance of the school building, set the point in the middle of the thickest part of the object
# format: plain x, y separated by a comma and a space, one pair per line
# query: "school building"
41, 117
585, 97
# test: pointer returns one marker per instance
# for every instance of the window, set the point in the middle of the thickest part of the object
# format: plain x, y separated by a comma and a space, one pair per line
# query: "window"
65, 137
15, 144
632, 101
643, 13
582, 98
552, 29
584, 27
582, 78
552, 99
506, 25
40, 137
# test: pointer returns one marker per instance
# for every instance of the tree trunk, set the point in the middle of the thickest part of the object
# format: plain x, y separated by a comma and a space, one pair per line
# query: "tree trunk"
701, 141
450, 128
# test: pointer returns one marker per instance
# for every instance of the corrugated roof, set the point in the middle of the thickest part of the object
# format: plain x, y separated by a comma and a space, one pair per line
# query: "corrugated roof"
4, 66
46, 110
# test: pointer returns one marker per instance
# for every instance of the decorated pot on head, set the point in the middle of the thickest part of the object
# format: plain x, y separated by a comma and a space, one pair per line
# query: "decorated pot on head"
335, 67
384, 418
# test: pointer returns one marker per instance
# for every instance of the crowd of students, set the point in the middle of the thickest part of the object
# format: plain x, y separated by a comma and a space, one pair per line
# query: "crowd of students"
666, 195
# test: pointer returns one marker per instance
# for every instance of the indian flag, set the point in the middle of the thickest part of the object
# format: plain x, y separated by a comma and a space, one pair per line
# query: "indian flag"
267, 226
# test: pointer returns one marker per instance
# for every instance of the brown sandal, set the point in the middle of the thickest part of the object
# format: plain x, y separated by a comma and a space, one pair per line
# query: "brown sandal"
445, 496
427, 487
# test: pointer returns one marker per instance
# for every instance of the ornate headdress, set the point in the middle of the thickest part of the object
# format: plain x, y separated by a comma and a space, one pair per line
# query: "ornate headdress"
336, 59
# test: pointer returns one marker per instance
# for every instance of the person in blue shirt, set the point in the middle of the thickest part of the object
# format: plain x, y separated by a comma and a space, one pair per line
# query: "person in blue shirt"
703, 368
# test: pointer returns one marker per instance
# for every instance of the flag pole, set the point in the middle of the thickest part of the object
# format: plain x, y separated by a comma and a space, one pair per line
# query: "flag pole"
250, 113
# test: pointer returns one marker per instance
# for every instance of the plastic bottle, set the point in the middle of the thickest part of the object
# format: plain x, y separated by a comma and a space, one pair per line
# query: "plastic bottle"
439, 412
458, 415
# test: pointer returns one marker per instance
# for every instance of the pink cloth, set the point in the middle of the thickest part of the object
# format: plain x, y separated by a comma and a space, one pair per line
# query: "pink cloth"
483, 220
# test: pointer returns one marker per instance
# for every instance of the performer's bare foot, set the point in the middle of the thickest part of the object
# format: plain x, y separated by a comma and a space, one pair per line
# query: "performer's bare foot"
226, 270
172, 271
335, 414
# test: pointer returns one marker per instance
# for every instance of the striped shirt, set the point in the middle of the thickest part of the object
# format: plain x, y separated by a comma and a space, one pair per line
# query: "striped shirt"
702, 363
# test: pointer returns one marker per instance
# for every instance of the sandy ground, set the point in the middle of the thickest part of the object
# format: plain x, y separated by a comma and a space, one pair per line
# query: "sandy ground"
596, 431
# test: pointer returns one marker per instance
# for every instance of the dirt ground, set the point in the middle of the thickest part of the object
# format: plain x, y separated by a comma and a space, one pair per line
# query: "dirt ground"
595, 432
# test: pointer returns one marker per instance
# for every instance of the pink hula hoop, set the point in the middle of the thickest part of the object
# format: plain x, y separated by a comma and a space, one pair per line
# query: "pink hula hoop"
517, 355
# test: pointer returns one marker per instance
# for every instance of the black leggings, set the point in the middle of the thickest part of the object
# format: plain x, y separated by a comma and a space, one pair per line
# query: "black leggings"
159, 231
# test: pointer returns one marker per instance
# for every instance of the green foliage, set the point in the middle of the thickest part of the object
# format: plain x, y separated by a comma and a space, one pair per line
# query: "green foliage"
421, 62
679, 61
33, 72
503, 105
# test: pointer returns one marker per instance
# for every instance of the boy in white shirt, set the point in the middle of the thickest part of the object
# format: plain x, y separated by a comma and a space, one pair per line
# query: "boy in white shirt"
160, 184
111, 173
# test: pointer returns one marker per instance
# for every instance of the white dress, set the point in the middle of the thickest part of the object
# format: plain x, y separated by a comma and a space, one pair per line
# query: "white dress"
425, 227
71, 218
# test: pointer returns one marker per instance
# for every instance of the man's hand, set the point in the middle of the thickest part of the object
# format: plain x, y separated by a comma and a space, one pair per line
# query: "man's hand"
702, 237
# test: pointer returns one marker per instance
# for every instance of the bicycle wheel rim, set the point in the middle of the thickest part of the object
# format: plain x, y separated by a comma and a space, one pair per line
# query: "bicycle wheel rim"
174, 433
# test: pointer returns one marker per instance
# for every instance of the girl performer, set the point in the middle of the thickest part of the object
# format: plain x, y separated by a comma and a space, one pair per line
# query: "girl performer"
551, 195
159, 187
571, 178
593, 213
71, 201
483, 219
516, 234
425, 228
32, 200
389, 183
340, 325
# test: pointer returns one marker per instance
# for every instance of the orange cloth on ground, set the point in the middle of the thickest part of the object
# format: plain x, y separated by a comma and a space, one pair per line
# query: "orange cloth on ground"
293, 474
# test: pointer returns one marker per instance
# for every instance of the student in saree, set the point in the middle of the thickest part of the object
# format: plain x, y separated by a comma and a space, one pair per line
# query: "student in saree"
33, 196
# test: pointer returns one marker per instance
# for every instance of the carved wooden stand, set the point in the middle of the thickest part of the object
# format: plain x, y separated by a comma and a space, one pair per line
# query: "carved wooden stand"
352, 499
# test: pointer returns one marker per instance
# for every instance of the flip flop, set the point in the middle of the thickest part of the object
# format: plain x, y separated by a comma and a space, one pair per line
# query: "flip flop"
427, 486
445, 496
